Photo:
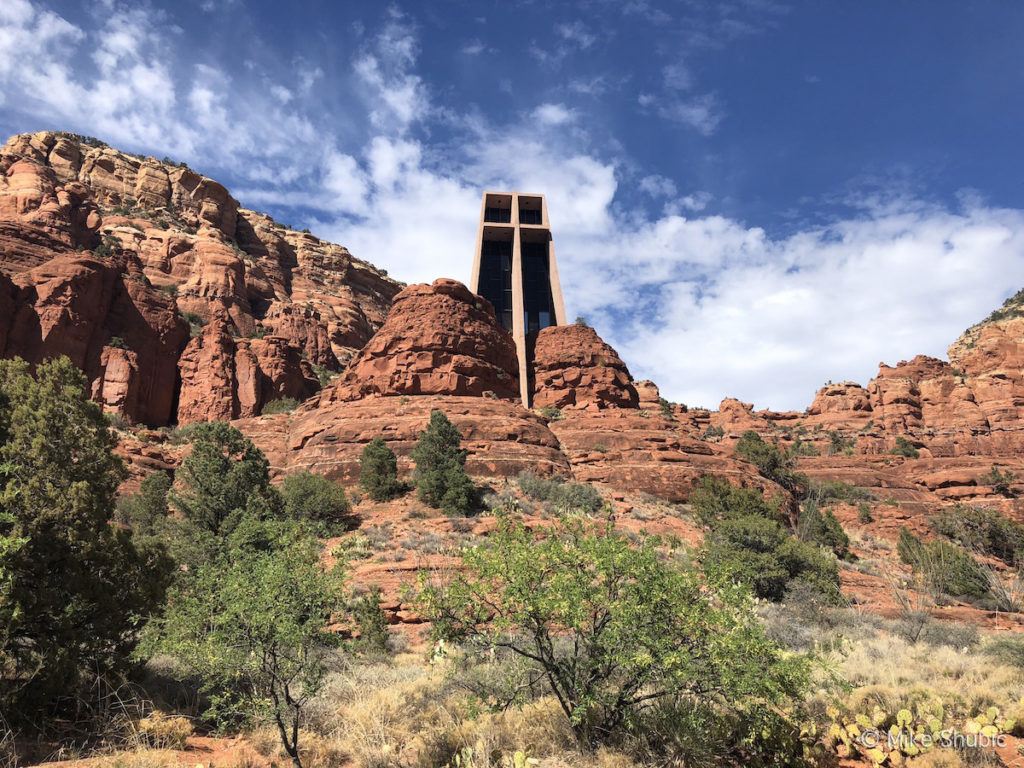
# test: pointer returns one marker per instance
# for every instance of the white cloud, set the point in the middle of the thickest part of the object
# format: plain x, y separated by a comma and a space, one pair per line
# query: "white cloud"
474, 48
576, 32
553, 114
706, 305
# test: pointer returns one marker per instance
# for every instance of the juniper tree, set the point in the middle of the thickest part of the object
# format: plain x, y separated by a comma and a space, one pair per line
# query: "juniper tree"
378, 471
441, 479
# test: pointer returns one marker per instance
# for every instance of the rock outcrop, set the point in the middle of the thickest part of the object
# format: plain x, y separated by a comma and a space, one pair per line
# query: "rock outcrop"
438, 339
109, 257
574, 368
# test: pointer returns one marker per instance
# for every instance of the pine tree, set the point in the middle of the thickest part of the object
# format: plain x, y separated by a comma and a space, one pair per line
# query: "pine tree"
441, 479
378, 471
73, 589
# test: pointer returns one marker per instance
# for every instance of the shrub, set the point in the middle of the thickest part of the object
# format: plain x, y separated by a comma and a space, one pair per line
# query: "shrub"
253, 625
281, 405
74, 590
116, 342
378, 471
170, 289
864, 513
441, 479
145, 512
945, 567
318, 500
371, 621
758, 552
609, 628
562, 496
551, 413
164, 731
666, 408
983, 530
581, 320
838, 444
826, 491
1001, 482
905, 448
770, 460
713, 432
820, 526
716, 499
195, 324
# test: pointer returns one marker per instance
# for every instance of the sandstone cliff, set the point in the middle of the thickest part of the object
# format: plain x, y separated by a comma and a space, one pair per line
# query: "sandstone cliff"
177, 303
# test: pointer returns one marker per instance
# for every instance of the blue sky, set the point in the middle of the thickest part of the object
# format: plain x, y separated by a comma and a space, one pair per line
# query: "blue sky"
748, 197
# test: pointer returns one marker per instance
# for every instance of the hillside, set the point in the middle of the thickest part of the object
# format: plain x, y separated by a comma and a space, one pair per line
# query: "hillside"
178, 304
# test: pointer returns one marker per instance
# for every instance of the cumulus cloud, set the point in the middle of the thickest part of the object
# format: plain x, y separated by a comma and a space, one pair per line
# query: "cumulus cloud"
706, 305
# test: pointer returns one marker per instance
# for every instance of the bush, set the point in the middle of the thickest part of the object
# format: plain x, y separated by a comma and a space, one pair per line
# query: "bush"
318, 500
820, 526
716, 499
281, 405
117, 342
195, 324
771, 461
982, 530
758, 552
145, 512
371, 621
253, 624
563, 497
609, 628
441, 479
826, 491
945, 567
74, 590
378, 471
905, 448
713, 432
1001, 482
551, 413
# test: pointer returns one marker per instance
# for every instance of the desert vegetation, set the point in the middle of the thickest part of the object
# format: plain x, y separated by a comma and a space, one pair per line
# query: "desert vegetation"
208, 604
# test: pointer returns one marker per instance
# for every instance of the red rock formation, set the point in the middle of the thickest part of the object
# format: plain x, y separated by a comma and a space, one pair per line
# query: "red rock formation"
574, 368
99, 245
439, 339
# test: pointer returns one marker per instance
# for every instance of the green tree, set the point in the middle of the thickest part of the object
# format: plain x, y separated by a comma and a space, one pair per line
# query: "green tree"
146, 510
612, 630
820, 526
73, 589
716, 499
378, 471
771, 461
441, 479
759, 553
320, 501
223, 476
372, 622
253, 625
946, 567
906, 448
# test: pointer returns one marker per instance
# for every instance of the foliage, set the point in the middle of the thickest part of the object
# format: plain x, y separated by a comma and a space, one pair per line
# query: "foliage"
222, 479
982, 530
825, 491
253, 625
281, 405
551, 413
610, 629
324, 374
1001, 482
195, 323
838, 444
666, 408
946, 567
378, 471
316, 499
864, 513
73, 589
771, 461
715, 499
117, 342
758, 552
820, 526
713, 432
371, 622
562, 496
441, 479
581, 320
145, 511
905, 448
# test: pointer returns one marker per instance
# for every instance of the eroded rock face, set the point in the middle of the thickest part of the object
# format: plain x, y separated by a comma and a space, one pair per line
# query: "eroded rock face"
502, 438
574, 368
439, 339
98, 245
